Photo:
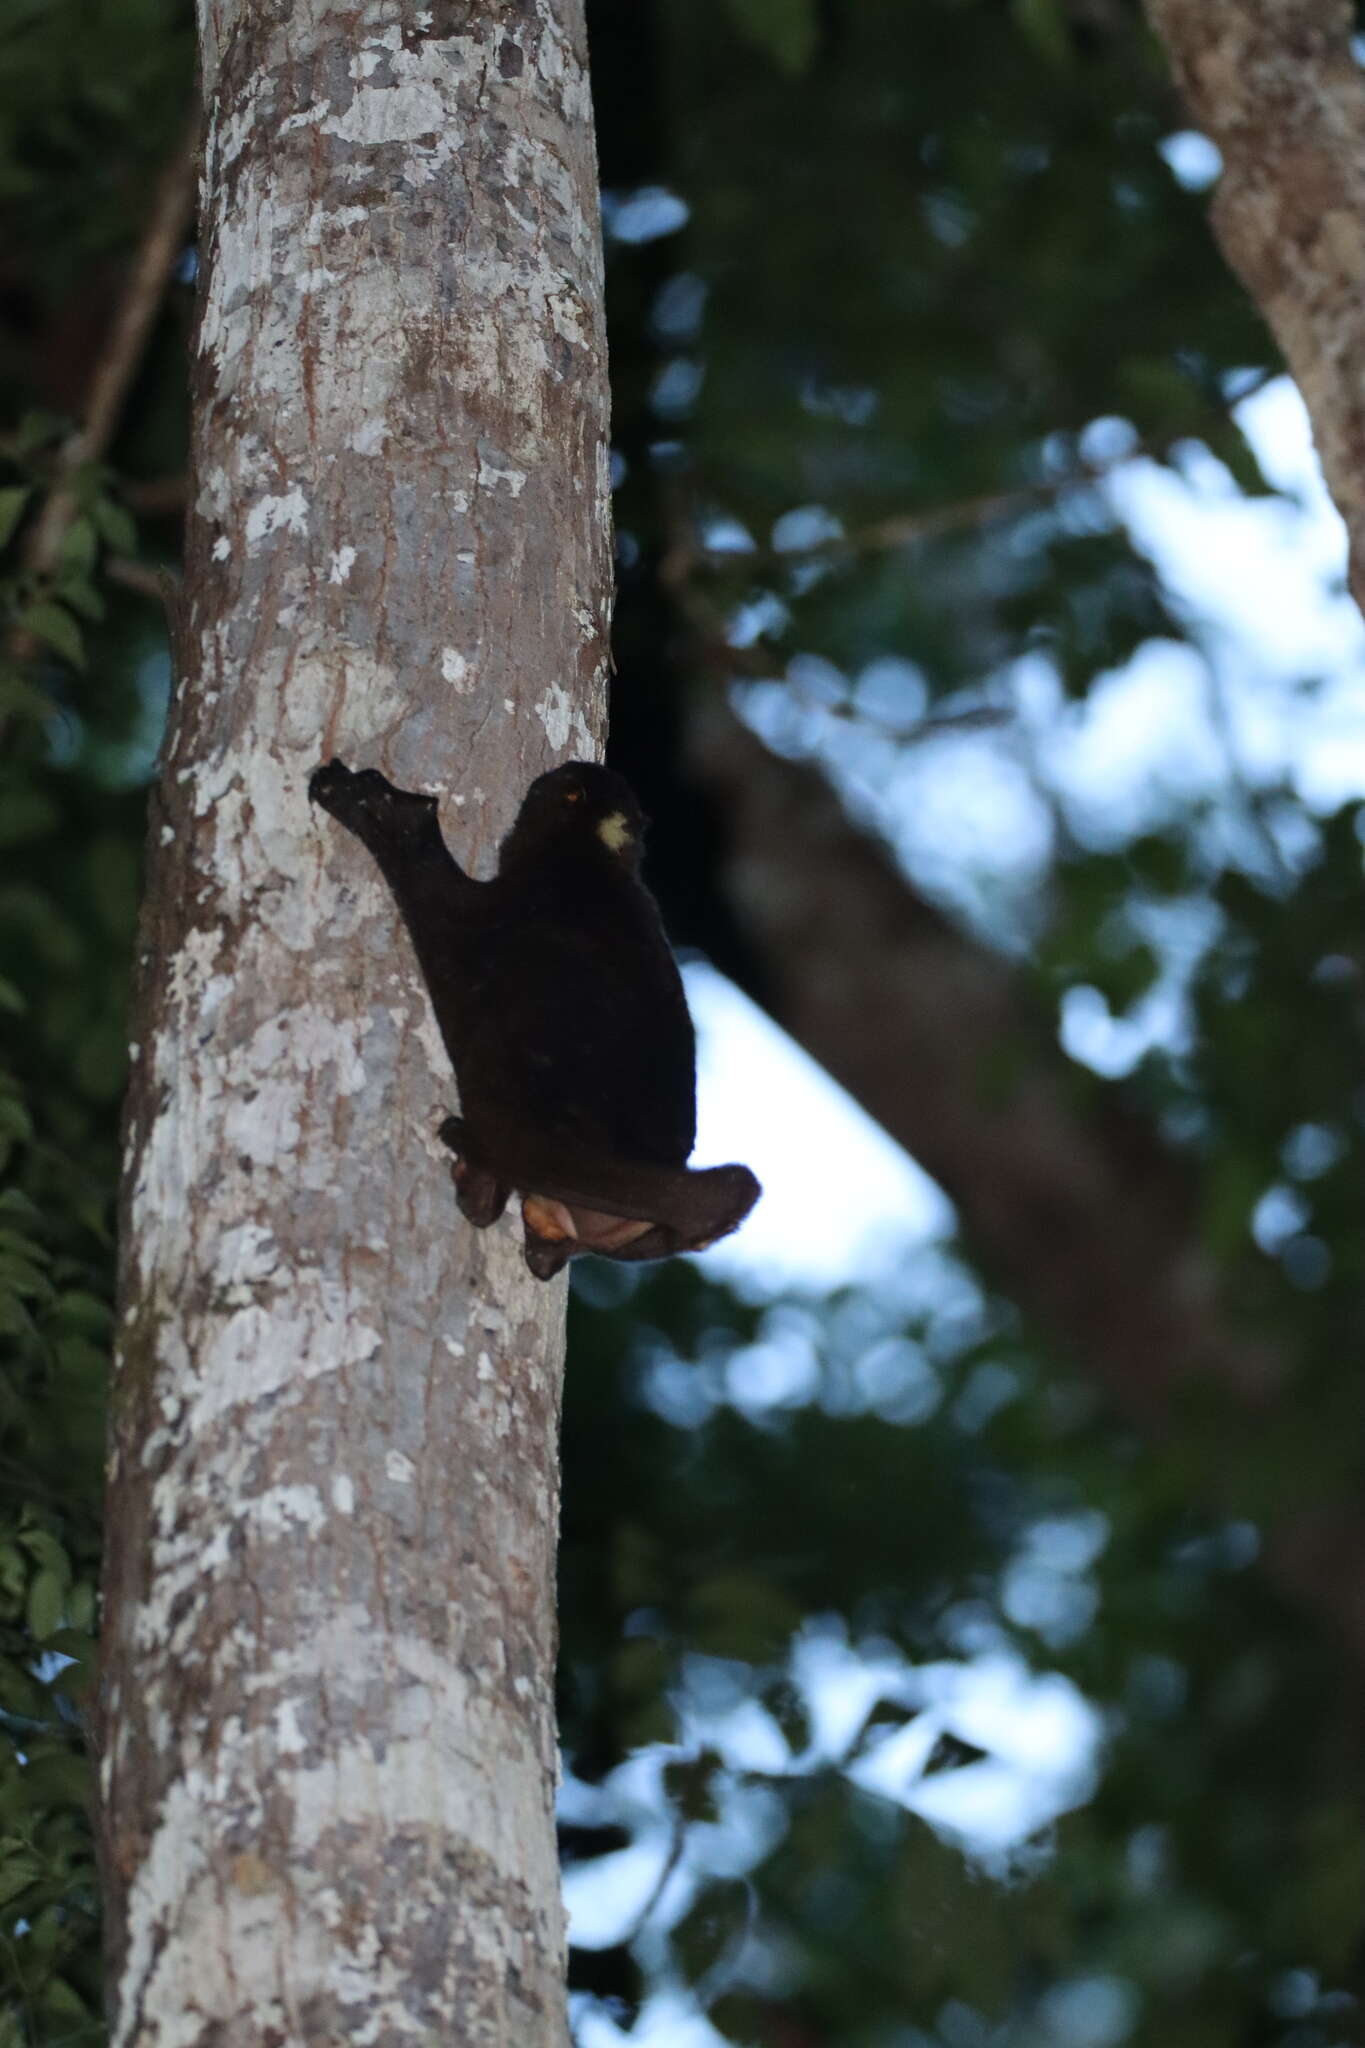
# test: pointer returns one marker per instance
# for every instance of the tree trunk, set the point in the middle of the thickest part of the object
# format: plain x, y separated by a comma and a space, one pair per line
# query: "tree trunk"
327, 1727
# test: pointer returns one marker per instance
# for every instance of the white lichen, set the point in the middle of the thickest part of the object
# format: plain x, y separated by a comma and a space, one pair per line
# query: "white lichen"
269, 514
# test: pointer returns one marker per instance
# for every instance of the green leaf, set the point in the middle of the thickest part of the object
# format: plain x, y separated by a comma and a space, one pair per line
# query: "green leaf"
21, 1696
63, 2005
46, 1603
25, 814
16, 1128
50, 622
691, 1786
12, 502
1044, 23
45, 1934
888, 1715
14, 1244
100, 1064
61, 1779
951, 1753
741, 1614
80, 1607
19, 698
78, 1310
15, 1121
75, 589
13, 1576
36, 430
1124, 980
80, 546
712, 1929
14, 1319
17, 1873
788, 1709
46, 1552
786, 29
116, 525
10, 998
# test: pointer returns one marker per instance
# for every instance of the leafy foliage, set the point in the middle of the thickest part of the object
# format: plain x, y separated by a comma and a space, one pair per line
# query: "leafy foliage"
66, 908
89, 99
1005, 1535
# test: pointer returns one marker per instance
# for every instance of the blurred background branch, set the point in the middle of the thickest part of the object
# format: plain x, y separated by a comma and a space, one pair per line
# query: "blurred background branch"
162, 245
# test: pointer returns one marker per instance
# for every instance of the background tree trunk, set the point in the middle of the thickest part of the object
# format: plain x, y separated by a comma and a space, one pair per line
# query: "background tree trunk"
328, 1738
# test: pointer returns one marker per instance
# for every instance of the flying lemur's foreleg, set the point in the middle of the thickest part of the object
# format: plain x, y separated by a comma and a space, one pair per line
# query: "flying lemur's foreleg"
430, 887
433, 892
399, 827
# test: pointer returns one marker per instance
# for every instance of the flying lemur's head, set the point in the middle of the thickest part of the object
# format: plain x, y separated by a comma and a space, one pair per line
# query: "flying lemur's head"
577, 806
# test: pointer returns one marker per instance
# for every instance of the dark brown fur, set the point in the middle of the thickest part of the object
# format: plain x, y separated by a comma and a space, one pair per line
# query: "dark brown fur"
563, 1012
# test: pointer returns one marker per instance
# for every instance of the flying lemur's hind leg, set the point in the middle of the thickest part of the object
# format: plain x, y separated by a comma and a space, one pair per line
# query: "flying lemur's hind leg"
481, 1195
546, 1256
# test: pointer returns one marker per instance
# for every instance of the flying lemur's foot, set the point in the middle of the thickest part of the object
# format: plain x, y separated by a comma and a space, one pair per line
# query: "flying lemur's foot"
547, 1256
366, 803
481, 1195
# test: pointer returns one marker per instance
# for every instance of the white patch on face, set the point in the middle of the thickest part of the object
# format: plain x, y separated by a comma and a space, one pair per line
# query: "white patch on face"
614, 831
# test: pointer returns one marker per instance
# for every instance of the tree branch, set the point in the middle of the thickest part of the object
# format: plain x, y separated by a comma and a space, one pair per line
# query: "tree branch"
144, 289
161, 584
157, 497
1083, 1218
883, 536
1275, 85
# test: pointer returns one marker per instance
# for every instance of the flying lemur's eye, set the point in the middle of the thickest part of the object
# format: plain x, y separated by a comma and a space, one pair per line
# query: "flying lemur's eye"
573, 796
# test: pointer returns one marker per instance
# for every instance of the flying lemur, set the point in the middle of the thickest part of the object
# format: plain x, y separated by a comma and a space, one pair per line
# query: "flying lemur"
563, 1012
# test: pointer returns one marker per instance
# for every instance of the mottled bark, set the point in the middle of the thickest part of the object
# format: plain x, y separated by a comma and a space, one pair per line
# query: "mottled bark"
1276, 85
1078, 1213
328, 1743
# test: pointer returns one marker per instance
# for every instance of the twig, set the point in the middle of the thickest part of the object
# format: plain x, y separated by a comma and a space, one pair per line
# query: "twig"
660, 1886
162, 240
724, 1972
904, 529
148, 579
157, 496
